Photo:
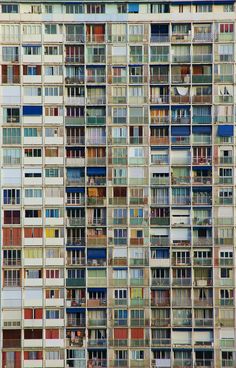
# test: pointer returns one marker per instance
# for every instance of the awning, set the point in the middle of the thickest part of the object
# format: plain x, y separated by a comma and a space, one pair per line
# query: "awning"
133, 8
32, 110
180, 131
96, 253
74, 190
98, 290
199, 168
75, 310
75, 248
202, 130
96, 171
225, 131
202, 189
32, 45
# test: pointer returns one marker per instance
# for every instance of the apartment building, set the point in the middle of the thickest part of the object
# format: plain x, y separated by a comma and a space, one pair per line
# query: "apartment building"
117, 184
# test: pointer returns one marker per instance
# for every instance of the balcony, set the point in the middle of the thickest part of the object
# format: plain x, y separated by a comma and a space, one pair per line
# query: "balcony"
76, 282
160, 282
201, 200
11, 343
162, 302
95, 120
96, 240
95, 281
179, 79
205, 322
181, 302
96, 180
73, 37
95, 38
181, 200
97, 342
161, 342
225, 37
78, 120
159, 241
202, 241
76, 221
201, 78
202, 262
97, 221
182, 363
160, 221
182, 322
202, 58
201, 99
203, 36
224, 99
159, 37
202, 119
181, 58
183, 282
159, 99
180, 140
185, 180
159, 79
93, 303
160, 322
75, 322
159, 58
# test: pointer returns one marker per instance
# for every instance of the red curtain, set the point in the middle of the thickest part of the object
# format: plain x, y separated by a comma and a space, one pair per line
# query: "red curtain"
137, 333
120, 333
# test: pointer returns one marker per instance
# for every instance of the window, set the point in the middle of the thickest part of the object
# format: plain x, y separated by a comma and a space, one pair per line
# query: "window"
53, 274
36, 9
33, 152
11, 136
50, 29
53, 70
33, 193
95, 8
32, 91
33, 274
33, 252
74, 9
32, 132
226, 28
120, 294
53, 50
11, 156
228, 8
52, 173
137, 354
12, 257
160, 8
11, 115
33, 213
121, 8
203, 8
11, 196
8, 8
52, 213
52, 314
10, 54
53, 91
32, 50
53, 111
225, 273
48, 9
32, 29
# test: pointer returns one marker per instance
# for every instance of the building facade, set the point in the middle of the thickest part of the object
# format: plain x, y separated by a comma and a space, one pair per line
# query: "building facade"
117, 184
